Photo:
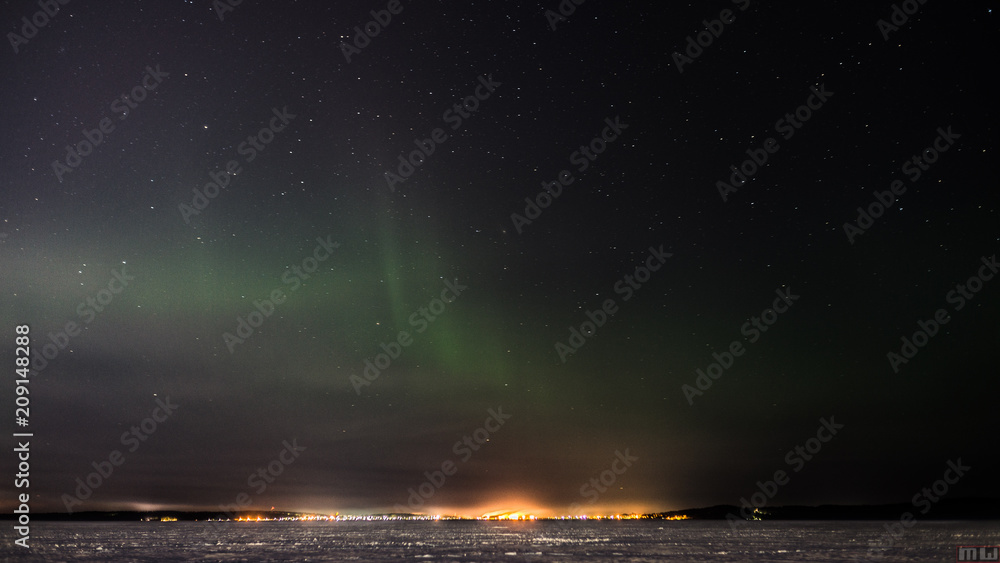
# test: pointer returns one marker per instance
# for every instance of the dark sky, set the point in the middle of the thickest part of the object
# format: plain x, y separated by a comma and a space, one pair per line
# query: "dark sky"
354, 258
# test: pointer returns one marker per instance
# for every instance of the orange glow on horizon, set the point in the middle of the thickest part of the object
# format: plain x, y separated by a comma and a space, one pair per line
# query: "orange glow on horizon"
515, 507
518, 507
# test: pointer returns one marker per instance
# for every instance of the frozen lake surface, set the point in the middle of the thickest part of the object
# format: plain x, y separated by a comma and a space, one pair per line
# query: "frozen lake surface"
493, 541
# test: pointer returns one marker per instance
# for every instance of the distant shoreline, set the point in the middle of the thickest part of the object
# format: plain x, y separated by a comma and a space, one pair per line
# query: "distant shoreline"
956, 509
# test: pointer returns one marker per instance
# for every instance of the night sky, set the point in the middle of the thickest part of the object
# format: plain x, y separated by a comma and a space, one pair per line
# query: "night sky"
207, 341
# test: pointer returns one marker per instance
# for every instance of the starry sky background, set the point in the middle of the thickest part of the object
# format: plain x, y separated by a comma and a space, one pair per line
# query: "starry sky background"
494, 346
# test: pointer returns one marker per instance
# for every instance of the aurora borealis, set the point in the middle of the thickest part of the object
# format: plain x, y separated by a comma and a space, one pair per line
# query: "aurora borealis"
363, 260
